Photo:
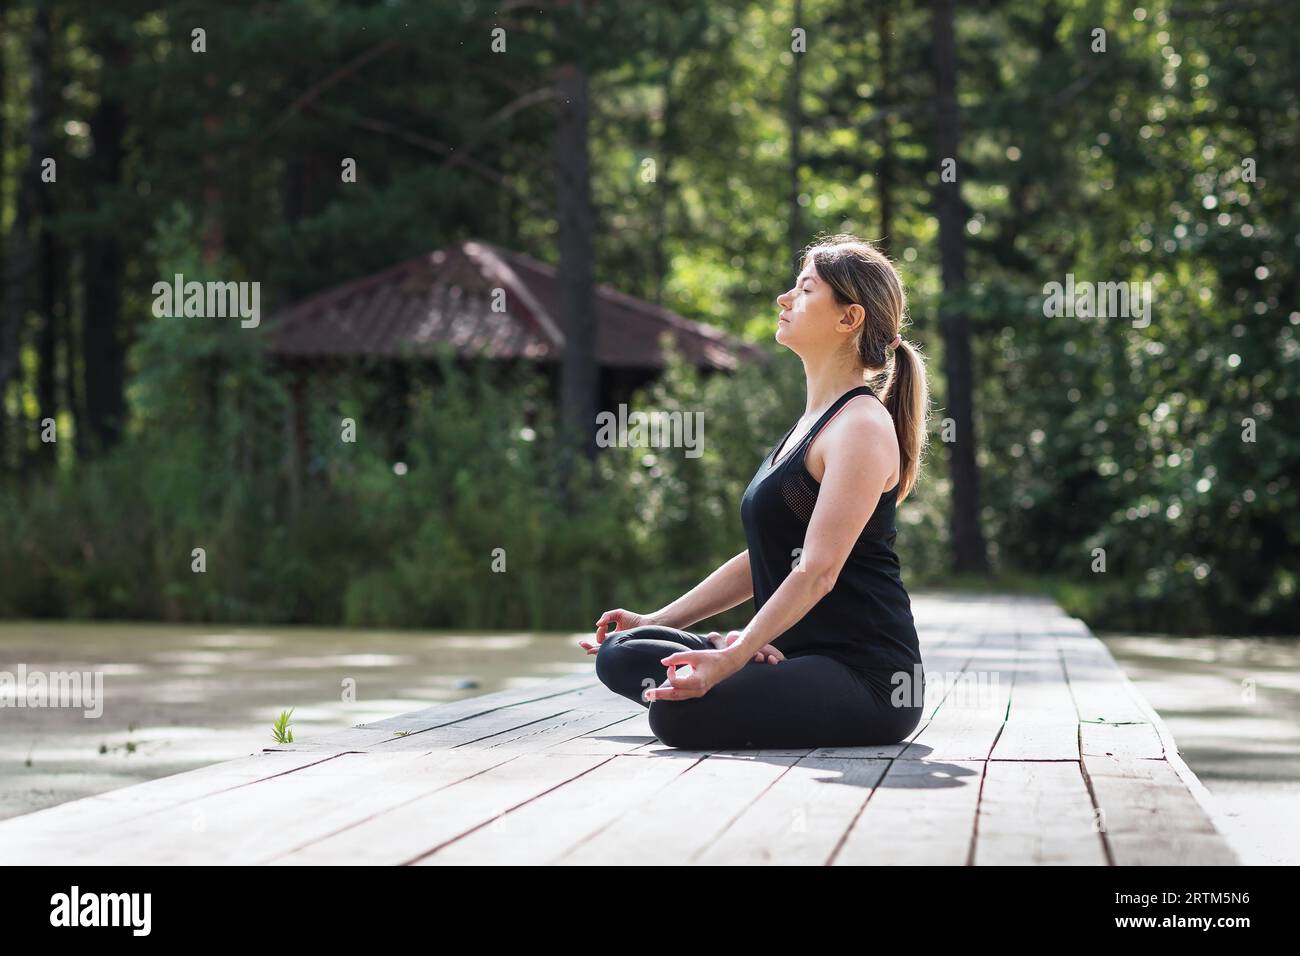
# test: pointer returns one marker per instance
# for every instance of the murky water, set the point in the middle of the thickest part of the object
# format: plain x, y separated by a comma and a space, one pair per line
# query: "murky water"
180, 697
1233, 706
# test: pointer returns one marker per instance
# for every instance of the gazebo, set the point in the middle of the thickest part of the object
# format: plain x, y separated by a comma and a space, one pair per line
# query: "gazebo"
484, 303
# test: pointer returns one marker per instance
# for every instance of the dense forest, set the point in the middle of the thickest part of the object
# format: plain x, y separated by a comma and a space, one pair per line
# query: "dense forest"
1142, 467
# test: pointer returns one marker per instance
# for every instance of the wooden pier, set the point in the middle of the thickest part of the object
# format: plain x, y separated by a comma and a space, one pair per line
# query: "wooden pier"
1034, 749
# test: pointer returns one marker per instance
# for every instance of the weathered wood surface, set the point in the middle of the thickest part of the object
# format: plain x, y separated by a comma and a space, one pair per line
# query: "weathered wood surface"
1034, 749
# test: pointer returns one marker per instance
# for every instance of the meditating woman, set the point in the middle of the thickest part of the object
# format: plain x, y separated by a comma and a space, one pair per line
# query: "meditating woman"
831, 656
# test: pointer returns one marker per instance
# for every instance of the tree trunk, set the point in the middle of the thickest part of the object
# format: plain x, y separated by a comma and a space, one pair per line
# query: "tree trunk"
19, 251
969, 550
102, 348
796, 238
214, 238
667, 140
577, 307
73, 392
885, 177
4, 86
4, 264
49, 334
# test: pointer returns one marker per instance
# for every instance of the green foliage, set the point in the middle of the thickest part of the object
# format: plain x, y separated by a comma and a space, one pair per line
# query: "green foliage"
465, 529
280, 729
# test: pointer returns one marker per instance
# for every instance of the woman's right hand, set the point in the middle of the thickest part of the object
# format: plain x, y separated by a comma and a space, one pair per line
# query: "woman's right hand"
622, 620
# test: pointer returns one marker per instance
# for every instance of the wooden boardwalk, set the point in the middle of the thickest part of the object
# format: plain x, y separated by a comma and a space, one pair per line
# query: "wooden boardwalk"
1034, 749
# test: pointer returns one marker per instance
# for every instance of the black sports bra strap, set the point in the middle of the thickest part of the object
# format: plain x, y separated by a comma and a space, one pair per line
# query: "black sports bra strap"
835, 407
825, 417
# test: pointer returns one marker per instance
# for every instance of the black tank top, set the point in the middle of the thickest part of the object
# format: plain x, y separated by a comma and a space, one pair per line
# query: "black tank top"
865, 621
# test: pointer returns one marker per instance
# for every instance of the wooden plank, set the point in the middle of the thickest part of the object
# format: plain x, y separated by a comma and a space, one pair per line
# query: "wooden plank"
1042, 723
685, 816
628, 734
920, 814
519, 726
1111, 722
1036, 813
486, 725
392, 729
1149, 817
251, 824
415, 829
965, 726
31, 838
801, 818
542, 830
972, 705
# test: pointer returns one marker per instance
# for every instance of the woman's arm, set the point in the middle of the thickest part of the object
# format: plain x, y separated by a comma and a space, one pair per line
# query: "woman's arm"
723, 589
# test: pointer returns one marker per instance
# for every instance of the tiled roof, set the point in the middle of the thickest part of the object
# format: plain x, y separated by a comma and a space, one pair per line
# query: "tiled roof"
450, 296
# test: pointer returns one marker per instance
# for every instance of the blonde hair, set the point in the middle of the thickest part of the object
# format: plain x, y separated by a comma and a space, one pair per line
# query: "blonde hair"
859, 273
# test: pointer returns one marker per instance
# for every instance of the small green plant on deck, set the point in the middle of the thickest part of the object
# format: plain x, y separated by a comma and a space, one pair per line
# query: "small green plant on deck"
283, 735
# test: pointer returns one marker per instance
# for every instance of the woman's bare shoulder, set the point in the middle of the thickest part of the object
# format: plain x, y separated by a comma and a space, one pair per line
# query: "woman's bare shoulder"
862, 426
861, 417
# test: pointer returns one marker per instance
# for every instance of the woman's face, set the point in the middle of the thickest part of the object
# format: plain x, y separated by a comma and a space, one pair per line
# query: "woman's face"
810, 321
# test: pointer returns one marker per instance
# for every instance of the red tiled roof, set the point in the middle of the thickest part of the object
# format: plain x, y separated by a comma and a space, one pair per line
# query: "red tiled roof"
448, 296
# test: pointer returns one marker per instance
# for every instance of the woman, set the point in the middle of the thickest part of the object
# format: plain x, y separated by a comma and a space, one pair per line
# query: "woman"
831, 657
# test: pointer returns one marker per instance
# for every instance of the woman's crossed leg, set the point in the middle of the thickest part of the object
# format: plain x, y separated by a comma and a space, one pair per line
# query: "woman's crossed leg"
807, 701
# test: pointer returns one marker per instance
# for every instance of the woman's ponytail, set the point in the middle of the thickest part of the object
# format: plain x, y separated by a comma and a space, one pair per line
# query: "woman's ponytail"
907, 398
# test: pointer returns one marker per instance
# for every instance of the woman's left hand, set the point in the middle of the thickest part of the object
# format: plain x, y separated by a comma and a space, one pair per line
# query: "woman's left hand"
768, 652
708, 669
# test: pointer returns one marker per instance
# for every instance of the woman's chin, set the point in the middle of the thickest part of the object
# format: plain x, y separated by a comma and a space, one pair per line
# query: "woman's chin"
784, 340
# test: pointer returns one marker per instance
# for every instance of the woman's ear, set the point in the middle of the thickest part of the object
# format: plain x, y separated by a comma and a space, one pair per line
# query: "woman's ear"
852, 318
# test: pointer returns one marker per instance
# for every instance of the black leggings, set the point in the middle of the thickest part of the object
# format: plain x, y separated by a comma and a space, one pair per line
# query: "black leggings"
806, 701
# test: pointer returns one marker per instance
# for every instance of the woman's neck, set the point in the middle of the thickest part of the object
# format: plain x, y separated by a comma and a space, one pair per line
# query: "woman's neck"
828, 379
